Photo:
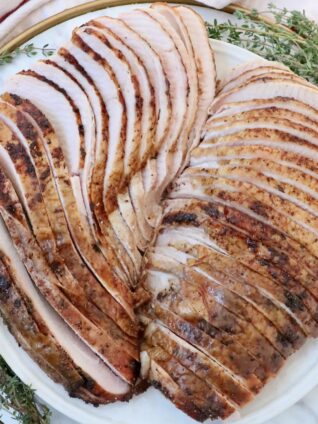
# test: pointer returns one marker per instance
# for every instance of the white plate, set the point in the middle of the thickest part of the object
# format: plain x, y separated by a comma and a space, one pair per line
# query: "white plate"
295, 380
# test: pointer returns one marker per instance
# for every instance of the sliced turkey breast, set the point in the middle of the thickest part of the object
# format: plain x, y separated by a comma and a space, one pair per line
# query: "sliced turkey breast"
276, 103
28, 133
250, 66
152, 31
161, 379
100, 341
203, 255
259, 72
148, 124
16, 161
273, 112
113, 156
146, 91
217, 379
267, 88
205, 262
233, 298
17, 314
289, 122
219, 346
74, 359
145, 108
195, 306
260, 137
237, 244
152, 63
115, 173
274, 240
53, 239
70, 195
298, 202
205, 64
102, 97
98, 40
184, 378
158, 80
173, 25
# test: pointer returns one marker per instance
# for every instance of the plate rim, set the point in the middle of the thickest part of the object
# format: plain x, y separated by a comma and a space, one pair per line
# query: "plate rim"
83, 9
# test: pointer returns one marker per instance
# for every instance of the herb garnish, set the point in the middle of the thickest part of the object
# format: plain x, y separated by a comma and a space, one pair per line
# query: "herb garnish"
292, 38
19, 399
28, 50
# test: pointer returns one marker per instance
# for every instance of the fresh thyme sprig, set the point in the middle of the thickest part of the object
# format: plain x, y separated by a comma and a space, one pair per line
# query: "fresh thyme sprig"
291, 38
19, 399
28, 50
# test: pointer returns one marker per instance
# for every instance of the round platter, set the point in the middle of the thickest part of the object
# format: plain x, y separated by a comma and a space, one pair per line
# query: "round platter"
295, 380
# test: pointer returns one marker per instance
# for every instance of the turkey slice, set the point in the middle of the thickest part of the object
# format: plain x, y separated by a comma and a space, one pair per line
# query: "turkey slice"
290, 122
273, 104
267, 88
205, 64
298, 215
250, 66
236, 244
265, 69
99, 341
45, 97
74, 61
238, 298
221, 270
229, 354
218, 379
169, 387
47, 218
152, 31
196, 305
64, 343
173, 25
147, 119
113, 156
97, 40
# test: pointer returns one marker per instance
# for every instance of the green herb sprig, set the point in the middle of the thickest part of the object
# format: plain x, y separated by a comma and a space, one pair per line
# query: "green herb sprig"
19, 399
29, 50
291, 38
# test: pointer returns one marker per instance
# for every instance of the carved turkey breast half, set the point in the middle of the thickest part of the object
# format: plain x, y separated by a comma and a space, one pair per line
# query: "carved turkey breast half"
153, 232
